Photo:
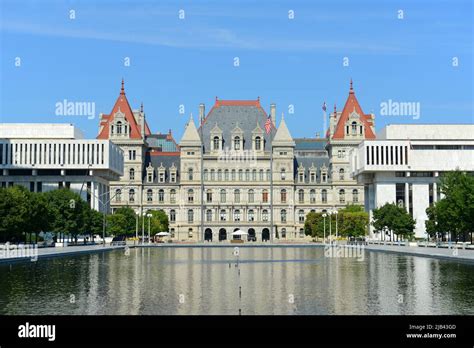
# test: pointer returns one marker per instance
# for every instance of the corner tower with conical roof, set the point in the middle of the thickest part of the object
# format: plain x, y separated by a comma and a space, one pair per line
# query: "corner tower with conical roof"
128, 129
346, 130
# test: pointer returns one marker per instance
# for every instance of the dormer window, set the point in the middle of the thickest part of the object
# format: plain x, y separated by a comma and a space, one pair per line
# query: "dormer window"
354, 128
216, 143
237, 143
258, 143
150, 176
119, 127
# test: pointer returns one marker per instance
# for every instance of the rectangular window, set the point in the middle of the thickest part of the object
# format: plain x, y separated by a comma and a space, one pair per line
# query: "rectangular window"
400, 194
410, 199
430, 194
367, 155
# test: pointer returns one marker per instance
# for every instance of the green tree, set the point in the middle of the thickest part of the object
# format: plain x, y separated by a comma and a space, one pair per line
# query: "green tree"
68, 210
14, 209
158, 221
122, 221
392, 218
39, 217
453, 213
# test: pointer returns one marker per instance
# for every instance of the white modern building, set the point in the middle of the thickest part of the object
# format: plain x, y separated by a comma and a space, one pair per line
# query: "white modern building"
44, 157
404, 164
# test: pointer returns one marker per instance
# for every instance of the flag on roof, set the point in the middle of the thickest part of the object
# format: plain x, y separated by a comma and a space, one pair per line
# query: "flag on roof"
324, 106
268, 125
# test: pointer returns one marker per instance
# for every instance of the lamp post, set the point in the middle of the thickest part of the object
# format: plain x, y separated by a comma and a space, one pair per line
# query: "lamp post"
324, 232
330, 228
143, 228
136, 229
335, 212
149, 219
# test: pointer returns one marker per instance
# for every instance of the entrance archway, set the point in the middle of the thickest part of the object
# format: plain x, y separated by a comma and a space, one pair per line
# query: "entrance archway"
222, 234
265, 234
208, 235
251, 235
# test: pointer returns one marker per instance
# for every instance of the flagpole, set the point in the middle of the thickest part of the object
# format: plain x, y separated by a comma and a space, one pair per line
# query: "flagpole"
271, 192
324, 119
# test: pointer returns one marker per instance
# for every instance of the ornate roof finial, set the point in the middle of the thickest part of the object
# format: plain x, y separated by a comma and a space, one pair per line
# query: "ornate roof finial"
122, 90
169, 131
351, 90
335, 110
282, 116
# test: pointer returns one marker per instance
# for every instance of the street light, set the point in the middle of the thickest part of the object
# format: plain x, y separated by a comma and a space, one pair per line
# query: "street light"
149, 219
324, 235
335, 212
330, 228
137, 213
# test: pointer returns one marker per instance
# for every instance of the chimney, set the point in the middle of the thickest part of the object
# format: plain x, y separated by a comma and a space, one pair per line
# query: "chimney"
202, 112
273, 113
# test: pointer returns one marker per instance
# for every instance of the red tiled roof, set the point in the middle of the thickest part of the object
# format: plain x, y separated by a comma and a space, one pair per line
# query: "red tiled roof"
124, 107
353, 104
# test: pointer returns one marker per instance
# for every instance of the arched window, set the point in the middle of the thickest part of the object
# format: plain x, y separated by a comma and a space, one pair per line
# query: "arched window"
216, 143
254, 175
251, 216
283, 174
312, 196
269, 175
190, 215
241, 175
342, 196
131, 195
324, 196
226, 175
208, 215
341, 174
149, 195
219, 175
283, 233
251, 196
190, 174
206, 174
223, 196
233, 175
265, 196
223, 215
261, 175
172, 215
264, 215
258, 143
118, 195
119, 127
236, 196
190, 196
237, 215
283, 215
354, 128
301, 196
173, 196
131, 174
247, 175
301, 216
161, 196
213, 175
355, 196
237, 143
283, 196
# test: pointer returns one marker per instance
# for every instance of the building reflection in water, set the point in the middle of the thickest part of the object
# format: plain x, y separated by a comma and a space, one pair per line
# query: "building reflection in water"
185, 280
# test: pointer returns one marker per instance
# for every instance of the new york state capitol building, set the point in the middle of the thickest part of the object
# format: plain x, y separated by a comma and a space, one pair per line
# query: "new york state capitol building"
236, 169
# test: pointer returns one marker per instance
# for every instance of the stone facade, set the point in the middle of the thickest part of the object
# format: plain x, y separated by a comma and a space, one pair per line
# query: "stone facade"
230, 171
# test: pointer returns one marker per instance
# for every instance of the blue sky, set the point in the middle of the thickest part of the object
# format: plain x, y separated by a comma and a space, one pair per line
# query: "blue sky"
187, 61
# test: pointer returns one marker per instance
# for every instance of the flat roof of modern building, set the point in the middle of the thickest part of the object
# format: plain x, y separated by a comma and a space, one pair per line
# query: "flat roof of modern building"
427, 132
40, 131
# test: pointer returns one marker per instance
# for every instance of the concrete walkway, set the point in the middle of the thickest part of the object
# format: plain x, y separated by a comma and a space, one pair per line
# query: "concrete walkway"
450, 254
32, 254
444, 253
